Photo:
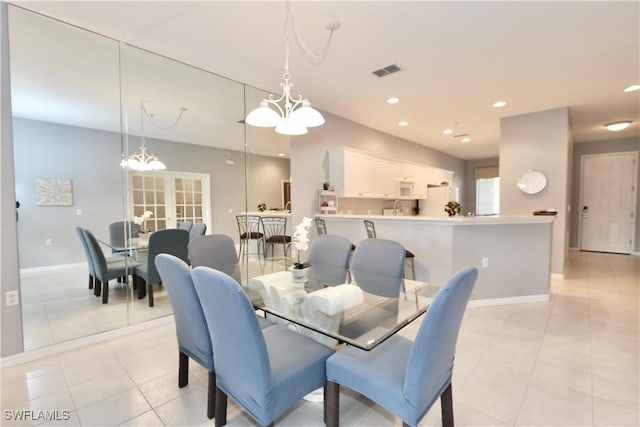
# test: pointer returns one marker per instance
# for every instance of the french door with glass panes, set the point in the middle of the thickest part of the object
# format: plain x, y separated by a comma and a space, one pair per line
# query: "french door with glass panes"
171, 197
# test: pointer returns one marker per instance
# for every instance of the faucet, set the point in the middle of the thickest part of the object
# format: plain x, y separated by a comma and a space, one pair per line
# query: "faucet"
395, 206
287, 206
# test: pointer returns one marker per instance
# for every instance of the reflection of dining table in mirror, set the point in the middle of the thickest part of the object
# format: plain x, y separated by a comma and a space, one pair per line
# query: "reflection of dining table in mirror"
338, 314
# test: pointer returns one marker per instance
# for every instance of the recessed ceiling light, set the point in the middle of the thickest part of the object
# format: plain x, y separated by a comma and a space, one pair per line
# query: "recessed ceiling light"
632, 88
499, 104
617, 126
280, 154
393, 100
465, 139
403, 123
447, 131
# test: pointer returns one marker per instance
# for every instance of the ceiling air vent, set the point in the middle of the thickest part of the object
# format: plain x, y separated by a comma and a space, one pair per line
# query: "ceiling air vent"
385, 71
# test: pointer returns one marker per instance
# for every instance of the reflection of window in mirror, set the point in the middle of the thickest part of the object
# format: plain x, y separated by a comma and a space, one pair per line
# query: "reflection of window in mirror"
488, 196
286, 195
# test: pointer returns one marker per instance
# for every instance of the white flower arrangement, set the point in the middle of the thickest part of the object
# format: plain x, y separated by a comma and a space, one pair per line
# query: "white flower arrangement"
142, 220
300, 240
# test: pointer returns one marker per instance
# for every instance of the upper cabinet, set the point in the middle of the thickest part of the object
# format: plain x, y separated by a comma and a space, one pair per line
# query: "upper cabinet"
358, 174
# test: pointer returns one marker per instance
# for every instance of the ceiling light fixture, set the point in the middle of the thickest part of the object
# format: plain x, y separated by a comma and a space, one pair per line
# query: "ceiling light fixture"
632, 88
403, 123
393, 100
617, 126
143, 161
296, 115
465, 139
447, 131
499, 104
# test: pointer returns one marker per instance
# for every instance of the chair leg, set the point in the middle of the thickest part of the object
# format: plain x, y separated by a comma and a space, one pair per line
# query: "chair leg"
141, 287
446, 403
332, 404
97, 287
221, 408
211, 395
90, 282
183, 370
105, 292
150, 293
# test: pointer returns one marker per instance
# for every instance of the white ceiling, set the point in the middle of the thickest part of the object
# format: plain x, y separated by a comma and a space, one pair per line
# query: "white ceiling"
457, 58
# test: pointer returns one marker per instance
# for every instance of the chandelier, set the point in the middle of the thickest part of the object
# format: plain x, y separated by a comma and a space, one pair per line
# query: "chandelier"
141, 160
290, 116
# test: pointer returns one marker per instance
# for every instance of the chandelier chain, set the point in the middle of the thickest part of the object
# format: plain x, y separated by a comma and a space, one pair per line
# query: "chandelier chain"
181, 111
312, 57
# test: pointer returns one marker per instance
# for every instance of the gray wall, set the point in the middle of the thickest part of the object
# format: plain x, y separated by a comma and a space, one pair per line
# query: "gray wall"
309, 163
90, 158
10, 317
600, 147
538, 141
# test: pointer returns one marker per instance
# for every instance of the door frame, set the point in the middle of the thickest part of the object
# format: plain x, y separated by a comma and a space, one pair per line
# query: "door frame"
634, 201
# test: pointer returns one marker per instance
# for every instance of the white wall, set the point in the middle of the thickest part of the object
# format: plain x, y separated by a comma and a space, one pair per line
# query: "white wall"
538, 141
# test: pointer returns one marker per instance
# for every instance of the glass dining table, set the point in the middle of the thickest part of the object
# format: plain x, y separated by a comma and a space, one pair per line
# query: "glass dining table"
336, 314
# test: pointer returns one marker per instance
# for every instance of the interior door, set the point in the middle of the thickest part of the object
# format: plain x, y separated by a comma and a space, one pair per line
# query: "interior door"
608, 202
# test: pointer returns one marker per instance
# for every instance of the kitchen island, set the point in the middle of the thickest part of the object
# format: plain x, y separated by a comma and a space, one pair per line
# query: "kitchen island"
512, 253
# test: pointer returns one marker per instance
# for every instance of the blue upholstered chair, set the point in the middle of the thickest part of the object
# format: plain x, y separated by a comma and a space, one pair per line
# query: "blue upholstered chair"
104, 271
402, 376
192, 333
172, 241
329, 258
198, 229
409, 256
216, 251
117, 234
377, 267
185, 225
263, 371
90, 264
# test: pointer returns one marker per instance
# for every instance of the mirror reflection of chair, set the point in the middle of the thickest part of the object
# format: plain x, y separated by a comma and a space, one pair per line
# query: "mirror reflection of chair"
198, 229
185, 225
255, 367
329, 259
410, 256
250, 230
104, 271
119, 232
170, 241
405, 377
275, 233
216, 251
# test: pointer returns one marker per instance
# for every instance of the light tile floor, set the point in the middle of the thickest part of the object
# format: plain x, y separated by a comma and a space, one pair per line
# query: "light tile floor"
571, 361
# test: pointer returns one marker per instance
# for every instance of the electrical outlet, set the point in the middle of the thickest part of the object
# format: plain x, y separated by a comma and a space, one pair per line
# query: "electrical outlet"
12, 298
485, 262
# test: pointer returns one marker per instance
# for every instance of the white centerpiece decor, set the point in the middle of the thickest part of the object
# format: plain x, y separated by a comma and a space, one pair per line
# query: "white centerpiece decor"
300, 240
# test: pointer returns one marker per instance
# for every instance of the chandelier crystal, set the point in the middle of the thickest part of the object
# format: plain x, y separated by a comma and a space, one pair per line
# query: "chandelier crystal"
289, 115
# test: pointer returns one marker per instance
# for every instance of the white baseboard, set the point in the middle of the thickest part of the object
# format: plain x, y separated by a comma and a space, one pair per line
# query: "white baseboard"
27, 272
573, 248
508, 300
50, 350
558, 276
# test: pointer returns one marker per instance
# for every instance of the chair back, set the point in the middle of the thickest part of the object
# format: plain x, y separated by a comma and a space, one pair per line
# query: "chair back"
275, 228
320, 226
198, 229
431, 358
250, 226
97, 256
216, 251
377, 267
329, 258
243, 370
87, 251
185, 225
191, 326
170, 241
371, 229
118, 232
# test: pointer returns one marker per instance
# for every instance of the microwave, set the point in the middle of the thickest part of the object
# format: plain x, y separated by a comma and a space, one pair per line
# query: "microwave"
405, 188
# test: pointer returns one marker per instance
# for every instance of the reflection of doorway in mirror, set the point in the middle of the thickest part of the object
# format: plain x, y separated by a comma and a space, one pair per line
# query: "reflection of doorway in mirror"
286, 195
172, 197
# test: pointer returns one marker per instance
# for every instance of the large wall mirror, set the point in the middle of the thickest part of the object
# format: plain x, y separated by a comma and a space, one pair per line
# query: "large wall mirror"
82, 103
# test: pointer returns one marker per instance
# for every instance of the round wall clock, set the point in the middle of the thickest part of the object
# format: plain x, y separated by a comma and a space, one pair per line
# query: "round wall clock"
532, 182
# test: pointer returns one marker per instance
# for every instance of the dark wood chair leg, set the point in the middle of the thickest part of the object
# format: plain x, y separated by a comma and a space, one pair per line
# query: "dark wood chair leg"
183, 370
211, 395
221, 408
90, 282
97, 288
141, 286
105, 292
446, 402
150, 293
332, 404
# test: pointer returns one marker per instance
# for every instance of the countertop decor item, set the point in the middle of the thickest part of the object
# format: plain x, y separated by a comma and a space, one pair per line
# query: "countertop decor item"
262, 207
142, 221
452, 208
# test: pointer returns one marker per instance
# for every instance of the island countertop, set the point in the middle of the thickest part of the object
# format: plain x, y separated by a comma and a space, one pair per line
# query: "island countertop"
455, 220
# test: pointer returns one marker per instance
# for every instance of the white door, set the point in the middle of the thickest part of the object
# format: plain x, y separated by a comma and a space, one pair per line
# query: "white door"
608, 202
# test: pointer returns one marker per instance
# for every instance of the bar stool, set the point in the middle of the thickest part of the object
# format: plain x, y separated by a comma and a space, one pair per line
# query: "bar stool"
250, 229
409, 256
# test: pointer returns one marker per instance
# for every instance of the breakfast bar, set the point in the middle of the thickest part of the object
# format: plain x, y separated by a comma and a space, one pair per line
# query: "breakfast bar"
512, 253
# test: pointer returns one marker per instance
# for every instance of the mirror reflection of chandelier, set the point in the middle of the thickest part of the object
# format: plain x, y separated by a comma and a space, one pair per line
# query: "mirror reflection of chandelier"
141, 160
296, 114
